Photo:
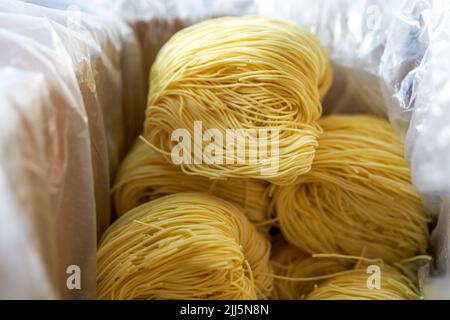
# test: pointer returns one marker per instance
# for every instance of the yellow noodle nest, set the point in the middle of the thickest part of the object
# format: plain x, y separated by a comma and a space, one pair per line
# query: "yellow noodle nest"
184, 246
145, 175
353, 286
241, 73
298, 272
358, 196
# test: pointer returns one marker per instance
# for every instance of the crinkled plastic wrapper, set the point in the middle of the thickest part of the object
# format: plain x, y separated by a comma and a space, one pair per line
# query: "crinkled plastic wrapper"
390, 58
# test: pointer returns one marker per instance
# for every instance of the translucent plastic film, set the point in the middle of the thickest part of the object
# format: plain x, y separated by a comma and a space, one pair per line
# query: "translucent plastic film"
53, 168
26, 248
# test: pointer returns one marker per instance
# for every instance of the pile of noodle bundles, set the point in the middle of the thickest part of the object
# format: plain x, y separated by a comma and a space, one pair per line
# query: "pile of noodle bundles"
352, 285
145, 175
241, 73
357, 198
297, 272
184, 246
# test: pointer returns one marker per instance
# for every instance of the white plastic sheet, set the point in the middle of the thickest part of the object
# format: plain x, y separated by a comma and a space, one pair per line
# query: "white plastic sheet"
92, 67
90, 71
67, 234
25, 210
118, 41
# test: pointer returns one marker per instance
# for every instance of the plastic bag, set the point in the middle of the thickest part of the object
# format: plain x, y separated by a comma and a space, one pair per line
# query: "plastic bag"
119, 42
66, 234
25, 210
94, 67
91, 71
